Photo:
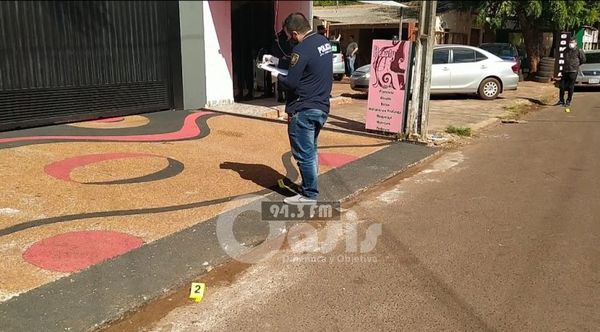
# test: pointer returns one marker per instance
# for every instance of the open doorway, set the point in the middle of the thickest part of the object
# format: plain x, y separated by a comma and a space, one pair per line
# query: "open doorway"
475, 37
252, 31
366, 37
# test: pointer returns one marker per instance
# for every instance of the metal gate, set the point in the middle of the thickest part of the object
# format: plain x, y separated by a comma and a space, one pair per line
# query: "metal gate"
66, 61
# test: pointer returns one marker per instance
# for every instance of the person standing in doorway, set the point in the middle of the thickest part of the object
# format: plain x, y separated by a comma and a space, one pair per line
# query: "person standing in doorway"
351, 51
242, 50
574, 58
310, 80
321, 30
281, 49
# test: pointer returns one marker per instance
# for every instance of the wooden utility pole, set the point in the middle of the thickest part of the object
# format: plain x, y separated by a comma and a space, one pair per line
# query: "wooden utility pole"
401, 19
418, 116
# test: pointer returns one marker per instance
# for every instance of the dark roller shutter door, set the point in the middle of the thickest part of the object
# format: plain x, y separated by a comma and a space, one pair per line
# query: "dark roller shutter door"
77, 60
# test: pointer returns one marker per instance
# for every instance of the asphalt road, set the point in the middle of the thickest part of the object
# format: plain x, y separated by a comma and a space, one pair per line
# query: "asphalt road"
500, 234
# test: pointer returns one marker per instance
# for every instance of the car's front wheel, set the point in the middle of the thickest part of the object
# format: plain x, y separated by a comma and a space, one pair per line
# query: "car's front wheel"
489, 89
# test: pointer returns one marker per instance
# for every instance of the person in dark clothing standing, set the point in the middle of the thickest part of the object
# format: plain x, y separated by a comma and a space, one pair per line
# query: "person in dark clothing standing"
351, 51
574, 58
321, 30
282, 50
242, 51
310, 80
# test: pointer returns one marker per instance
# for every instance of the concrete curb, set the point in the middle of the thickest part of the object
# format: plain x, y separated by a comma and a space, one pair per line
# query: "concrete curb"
273, 112
341, 100
484, 123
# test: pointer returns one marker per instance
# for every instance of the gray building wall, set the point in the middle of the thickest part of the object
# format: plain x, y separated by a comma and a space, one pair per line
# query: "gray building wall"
193, 60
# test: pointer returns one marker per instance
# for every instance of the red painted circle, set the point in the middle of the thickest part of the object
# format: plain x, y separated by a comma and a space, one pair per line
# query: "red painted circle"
75, 251
335, 159
109, 120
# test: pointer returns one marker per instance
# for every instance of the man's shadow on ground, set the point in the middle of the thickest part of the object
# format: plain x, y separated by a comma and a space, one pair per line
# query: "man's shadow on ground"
263, 176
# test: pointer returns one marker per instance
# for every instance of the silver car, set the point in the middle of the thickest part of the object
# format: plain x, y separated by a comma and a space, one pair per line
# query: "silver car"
460, 69
589, 72
339, 66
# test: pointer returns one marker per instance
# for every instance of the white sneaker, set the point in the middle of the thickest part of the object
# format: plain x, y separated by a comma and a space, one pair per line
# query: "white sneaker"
299, 200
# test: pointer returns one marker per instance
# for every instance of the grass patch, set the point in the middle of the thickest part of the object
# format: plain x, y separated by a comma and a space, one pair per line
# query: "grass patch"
460, 131
514, 110
517, 111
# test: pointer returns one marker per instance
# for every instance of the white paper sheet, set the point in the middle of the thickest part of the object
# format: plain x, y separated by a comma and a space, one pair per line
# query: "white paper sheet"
272, 69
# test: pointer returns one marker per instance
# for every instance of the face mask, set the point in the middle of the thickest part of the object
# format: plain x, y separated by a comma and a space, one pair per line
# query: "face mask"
291, 39
572, 45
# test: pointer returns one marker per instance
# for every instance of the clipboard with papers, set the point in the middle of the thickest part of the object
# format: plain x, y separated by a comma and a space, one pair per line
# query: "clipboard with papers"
273, 69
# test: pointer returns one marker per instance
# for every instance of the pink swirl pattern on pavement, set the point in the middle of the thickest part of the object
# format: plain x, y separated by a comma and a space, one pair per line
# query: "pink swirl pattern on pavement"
62, 169
189, 130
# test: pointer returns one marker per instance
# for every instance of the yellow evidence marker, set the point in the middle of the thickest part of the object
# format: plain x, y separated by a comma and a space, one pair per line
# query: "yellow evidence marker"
282, 185
197, 291
568, 110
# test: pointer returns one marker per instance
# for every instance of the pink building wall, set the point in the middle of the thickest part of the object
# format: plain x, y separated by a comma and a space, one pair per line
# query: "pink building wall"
284, 8
218, 48
221, 15
218, 55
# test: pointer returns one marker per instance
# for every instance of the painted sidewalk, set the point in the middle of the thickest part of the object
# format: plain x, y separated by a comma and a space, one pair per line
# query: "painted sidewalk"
98, 217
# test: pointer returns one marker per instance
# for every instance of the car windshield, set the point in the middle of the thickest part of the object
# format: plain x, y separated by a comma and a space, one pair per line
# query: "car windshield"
499, 49
592, 57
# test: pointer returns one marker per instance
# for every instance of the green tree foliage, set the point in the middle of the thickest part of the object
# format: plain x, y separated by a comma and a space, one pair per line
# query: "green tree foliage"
535, 17
545, 14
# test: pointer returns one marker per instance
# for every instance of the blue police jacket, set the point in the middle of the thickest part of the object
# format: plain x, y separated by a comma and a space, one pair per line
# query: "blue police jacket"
310, 75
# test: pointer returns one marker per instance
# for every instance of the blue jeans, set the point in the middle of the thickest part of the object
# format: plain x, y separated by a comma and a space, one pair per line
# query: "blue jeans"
351, 60
303, 131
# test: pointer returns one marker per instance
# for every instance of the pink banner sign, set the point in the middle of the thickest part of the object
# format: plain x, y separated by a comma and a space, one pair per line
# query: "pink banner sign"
388, 83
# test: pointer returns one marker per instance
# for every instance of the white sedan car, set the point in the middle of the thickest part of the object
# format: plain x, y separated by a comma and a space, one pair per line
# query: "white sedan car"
460, 69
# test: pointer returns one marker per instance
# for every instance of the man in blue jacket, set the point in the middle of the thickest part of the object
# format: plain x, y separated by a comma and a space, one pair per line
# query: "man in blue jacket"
310, 78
